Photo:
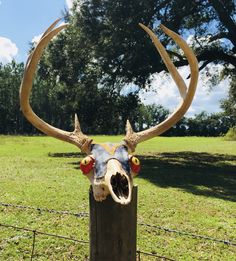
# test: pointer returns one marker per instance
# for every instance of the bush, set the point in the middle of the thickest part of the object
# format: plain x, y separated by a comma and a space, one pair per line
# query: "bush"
231, 134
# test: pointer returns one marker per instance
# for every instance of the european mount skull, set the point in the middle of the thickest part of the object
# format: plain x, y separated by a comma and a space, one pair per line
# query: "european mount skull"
111, 167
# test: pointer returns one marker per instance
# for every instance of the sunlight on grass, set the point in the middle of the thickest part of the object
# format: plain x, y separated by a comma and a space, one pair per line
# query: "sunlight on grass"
185, 184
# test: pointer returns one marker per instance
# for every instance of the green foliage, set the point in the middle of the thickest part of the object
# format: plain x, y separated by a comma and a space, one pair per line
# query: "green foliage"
122, 51
229, 104
101, 110
231, 134
185, 184
11, 120
85, 68
204, 124
150, 115
103, 50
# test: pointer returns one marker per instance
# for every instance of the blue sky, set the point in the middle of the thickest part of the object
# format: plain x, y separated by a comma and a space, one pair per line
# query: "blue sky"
22, 20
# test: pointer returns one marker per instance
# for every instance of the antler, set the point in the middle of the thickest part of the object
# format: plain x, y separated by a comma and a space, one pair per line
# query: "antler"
132, 138
76, 137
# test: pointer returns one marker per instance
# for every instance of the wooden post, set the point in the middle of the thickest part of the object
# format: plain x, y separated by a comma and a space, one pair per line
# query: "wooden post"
113, 229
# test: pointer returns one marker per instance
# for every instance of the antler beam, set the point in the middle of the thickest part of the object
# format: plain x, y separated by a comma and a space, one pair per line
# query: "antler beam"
76, 137
132, 138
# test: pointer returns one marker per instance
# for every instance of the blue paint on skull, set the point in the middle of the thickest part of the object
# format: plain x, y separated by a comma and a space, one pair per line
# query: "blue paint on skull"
107, 151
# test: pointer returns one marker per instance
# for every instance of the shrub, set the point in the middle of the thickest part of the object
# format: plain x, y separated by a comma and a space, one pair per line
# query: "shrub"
231, 134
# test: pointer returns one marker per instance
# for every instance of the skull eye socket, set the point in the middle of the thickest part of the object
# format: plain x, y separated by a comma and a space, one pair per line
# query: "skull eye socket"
134, 164
135, 161
87, 164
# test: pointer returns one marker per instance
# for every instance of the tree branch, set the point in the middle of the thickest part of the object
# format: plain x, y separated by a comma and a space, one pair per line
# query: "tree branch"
225, 19
219, 36
217, 55
203, 65
207, 56
180, 57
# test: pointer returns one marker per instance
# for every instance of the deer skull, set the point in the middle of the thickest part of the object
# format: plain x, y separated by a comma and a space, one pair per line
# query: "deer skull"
109, 167
110, 170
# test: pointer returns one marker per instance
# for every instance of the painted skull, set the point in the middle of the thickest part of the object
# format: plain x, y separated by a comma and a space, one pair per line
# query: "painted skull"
110, 170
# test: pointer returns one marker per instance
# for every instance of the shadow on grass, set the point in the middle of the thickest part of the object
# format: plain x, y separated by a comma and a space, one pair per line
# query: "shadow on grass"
66, 155
75, 155
212, 175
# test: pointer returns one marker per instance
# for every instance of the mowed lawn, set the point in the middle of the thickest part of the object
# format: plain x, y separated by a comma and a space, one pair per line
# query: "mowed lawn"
186, 184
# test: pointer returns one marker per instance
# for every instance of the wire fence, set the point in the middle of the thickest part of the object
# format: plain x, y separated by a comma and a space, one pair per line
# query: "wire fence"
139, 253
60, 212
37, 232
85, 215
184, 233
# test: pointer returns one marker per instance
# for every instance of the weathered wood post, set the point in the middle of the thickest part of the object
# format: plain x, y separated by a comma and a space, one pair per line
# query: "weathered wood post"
113, 229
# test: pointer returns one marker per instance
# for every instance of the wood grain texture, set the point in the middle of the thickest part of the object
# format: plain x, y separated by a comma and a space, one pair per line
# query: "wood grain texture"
113, 229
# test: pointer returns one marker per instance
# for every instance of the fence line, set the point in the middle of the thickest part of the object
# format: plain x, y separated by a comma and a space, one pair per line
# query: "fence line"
184, 233
44, 233
35, 232
61, 212
139, 252
85, 214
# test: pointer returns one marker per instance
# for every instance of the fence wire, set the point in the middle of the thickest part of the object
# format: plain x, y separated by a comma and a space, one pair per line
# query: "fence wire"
37, 232
60, 212
184, 233
139, 253
155, 227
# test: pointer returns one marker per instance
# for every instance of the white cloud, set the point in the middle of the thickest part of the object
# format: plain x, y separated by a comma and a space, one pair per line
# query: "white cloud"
165, 92
62, 23
201, 41
8, 50
36, 38
69, 3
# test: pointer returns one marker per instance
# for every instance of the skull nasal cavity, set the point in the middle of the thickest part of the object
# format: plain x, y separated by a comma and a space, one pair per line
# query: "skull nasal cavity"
120, 185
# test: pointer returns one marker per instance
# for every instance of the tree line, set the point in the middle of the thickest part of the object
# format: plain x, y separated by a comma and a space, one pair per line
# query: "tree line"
100, 110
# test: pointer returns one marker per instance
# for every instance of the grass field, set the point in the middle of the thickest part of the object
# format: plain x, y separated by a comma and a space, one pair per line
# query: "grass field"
186, 184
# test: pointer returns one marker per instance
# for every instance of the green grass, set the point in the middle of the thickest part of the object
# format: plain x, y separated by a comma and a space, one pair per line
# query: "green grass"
185, 184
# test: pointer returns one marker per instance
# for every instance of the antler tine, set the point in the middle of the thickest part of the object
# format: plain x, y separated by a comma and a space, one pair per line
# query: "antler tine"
77, 137
50, 28
187, 94
166, 59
